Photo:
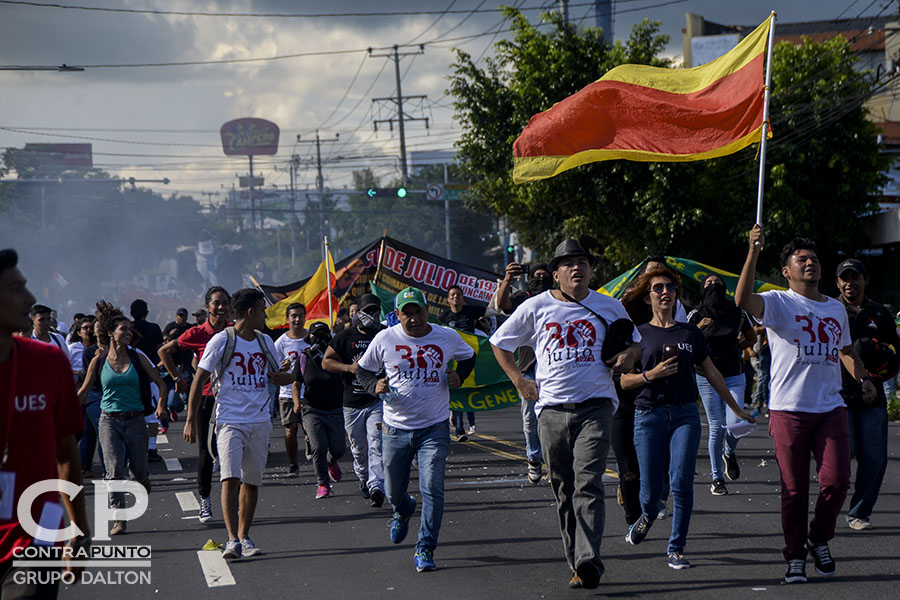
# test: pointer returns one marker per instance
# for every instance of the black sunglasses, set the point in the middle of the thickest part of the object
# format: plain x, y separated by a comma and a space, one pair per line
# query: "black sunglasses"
659, 287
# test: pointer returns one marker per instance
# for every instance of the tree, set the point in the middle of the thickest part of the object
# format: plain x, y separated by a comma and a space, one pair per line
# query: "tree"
702, 210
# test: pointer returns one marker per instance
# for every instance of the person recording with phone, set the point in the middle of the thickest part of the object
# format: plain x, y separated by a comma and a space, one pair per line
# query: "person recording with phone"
666, 414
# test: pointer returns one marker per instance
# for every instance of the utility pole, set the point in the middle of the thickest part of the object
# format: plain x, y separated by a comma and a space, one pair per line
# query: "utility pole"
604, 18
320, 179
398, 100
564, 10
295, 162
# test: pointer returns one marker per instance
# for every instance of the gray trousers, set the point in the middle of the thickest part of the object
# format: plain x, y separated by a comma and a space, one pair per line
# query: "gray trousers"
123, 439
575, 442
327, 440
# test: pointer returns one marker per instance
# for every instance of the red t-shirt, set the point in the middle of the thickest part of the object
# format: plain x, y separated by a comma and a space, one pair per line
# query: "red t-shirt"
45, 409
195, 340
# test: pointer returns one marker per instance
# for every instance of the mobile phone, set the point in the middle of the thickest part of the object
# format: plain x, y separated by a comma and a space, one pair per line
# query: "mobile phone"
669, 350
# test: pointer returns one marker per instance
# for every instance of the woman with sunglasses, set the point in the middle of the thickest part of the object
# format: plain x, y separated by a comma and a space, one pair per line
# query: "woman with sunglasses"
666, 414
727, 333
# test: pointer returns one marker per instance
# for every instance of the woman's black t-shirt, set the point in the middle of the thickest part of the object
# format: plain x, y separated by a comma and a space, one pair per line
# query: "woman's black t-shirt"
680, 388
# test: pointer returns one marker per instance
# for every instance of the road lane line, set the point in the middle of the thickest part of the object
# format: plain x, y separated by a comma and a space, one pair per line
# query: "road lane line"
187, 500
503, 454
215, 569
500, 441
162, 439
173, 464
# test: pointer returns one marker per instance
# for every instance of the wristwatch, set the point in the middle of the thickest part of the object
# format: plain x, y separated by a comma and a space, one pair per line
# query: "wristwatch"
865, 378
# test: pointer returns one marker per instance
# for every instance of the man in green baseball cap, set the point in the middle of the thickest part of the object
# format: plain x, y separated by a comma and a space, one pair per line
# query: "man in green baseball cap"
415, 357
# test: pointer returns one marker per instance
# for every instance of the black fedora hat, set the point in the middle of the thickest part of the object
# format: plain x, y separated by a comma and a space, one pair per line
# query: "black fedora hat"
569, 248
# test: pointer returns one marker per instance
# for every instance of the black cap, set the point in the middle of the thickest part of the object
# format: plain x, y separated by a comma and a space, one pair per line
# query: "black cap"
569, 248
182, 311
367, 300
851, 264
318, 328
537, 267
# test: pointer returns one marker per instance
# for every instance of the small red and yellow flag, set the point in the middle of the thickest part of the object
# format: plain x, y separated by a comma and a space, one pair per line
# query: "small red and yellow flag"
313, 295
651, 114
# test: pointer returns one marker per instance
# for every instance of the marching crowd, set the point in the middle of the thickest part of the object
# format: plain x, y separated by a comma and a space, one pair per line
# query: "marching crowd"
594, 374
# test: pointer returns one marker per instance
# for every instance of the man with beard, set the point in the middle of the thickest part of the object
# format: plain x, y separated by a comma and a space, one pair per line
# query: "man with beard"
540, 280
362, 411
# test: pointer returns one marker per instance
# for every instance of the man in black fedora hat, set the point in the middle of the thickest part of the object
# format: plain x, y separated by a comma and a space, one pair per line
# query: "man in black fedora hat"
574, 396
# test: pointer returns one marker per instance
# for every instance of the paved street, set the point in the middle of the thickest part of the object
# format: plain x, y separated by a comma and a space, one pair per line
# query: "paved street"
499, 537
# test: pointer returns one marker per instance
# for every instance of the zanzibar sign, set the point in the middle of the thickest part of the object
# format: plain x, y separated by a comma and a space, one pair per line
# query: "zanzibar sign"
249, 137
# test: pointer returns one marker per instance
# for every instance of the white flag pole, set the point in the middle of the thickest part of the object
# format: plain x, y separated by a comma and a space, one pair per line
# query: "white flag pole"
328, 279
765, 124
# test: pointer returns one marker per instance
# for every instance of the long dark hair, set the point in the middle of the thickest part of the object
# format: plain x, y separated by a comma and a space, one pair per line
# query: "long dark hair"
75, 334
109, 316
633, 298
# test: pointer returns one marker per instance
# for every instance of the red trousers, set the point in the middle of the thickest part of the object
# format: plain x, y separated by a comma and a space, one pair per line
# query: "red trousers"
827, 437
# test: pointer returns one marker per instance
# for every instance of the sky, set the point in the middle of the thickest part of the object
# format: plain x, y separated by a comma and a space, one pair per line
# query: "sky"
155, 122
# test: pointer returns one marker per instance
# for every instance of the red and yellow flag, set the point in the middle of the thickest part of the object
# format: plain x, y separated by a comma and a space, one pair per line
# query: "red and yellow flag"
651, 114
313, 295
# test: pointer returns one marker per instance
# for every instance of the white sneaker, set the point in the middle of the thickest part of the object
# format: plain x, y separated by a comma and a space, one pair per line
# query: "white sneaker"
232, 549
858, 523
249, 548
470, 430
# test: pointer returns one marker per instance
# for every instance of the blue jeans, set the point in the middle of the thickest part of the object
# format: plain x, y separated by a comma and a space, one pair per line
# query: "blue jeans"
431, 445
676, 427
176, 402
363, 427
718, 415
530, 428
91, 437
763, 368
458, 420
868, 443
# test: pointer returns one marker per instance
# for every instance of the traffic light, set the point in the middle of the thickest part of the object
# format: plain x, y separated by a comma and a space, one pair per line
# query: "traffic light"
510, 253
399, 192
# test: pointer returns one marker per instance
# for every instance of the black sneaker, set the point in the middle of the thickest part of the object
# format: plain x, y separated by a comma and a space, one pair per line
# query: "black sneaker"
364, 490
293, 471
462, 437
535, 472
638, 531
796, 571
732, 468
822, 557
589, 575
717, 488
153, 456
377, 498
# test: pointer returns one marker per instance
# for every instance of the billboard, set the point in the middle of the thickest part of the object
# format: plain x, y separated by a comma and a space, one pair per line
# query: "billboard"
249, 137
63, 156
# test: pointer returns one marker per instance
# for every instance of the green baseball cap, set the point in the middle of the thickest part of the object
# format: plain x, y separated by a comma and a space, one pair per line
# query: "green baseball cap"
410, 295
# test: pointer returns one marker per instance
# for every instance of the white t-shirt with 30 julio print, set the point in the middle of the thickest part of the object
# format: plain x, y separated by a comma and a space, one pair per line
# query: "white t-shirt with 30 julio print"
805, 337
416, 369
567, 340
289, 348
244, 395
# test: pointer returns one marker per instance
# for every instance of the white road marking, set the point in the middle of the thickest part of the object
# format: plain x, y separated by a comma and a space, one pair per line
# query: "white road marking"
164, 449
215, 569
187, 500
173, 464
162, 439
189, 518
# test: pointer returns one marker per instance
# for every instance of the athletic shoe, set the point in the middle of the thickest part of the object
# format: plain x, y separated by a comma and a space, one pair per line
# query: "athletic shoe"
163, 429
717, 488
663, 510
424, 560
334, 471
293, 471
377, 498
248, 548
205, 509
575, 583
638, 531
535, 468
232, 549
796, 571
822, 557
858, 523
678, 561
471, 430
732, 468
153, 456
118, 528
588, 574
308, 448
364, 490
322, 491
173, 416
400, 525
462, 437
